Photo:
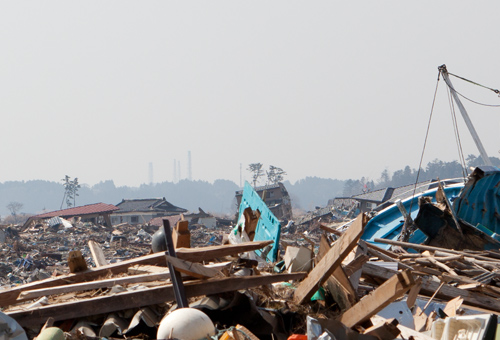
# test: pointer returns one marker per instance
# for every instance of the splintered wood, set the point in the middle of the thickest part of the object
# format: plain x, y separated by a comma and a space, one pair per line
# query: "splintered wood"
389, 291
331, 260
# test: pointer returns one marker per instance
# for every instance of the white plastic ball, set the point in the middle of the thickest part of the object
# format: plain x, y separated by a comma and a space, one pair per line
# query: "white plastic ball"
186, 324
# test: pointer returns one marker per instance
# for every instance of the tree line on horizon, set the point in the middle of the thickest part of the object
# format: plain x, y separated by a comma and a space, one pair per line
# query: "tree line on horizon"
434, 170
37, 196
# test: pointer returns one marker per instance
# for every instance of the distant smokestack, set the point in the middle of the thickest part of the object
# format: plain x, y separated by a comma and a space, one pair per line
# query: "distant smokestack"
179, 177
150, 173
190, 177
175, 171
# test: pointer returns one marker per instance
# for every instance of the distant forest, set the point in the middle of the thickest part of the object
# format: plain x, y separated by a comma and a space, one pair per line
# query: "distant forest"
434, 170
37, 196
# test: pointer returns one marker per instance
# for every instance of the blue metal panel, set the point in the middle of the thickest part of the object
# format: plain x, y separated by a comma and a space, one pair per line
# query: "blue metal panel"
268, 226
389, 222
479, 202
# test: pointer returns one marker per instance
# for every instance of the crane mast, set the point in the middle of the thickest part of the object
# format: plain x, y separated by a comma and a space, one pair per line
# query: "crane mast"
468, 122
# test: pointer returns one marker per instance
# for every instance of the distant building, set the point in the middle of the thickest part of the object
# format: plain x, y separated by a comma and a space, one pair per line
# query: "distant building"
276, 198
98, 213
139, 211
200, 218
382, 198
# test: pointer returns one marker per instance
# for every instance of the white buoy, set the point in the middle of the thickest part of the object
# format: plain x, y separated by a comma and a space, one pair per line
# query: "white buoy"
186, 324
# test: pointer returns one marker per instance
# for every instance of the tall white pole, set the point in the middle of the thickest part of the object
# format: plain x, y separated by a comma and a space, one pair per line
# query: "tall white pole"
467, 120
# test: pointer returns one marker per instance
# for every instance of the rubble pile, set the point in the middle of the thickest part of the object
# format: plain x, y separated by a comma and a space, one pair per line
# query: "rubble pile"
254, 280
129, 297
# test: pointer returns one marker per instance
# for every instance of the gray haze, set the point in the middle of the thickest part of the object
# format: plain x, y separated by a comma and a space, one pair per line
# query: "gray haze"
98, 90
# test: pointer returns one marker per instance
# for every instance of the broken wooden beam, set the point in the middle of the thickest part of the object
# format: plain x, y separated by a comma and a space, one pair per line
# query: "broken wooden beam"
387, 330
446, 292
406, 332
192, 268
106, 283
331, 261
432, 248
97, 254
143, 297
9, 296
394, 288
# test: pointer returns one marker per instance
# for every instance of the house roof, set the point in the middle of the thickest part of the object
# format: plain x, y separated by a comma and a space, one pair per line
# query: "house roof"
388, 196
264, 187
408, 190
90, 209
147, 205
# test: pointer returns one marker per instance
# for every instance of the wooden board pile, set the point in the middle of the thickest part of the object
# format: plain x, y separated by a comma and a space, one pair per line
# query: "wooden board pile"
361, 279
78, 295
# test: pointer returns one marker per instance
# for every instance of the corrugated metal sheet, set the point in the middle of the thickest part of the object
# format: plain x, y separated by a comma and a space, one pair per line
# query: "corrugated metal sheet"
479, 202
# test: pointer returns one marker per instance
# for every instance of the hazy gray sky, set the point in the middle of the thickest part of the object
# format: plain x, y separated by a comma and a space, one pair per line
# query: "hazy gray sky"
334, 89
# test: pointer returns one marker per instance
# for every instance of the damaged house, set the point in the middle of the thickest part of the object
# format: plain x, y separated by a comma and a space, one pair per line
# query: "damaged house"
276, 198
136, 211
98, 213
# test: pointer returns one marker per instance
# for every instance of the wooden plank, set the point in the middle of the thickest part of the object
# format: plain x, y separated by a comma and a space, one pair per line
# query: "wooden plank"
356, 264
181, 235
339, 293
413, 293
107, 283
432, 248
385, 330
324, 247
339, 275
446, 292
369, 245
428, 257
97, 254
213, 252
452, 306
384, 257
332, 259
145, 269
389, 291
406, 332
9, 296
140, 298
342, 278
193, 269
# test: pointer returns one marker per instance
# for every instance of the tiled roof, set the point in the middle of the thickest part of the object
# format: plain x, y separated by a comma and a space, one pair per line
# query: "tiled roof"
384, 195
407, 191
148, 204
90, 209
375, 196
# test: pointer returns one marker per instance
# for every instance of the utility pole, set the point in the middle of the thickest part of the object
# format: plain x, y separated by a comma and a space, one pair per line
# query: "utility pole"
468, 122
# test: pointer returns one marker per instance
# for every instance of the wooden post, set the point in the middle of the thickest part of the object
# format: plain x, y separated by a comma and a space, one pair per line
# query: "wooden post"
181, 235
76, 262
